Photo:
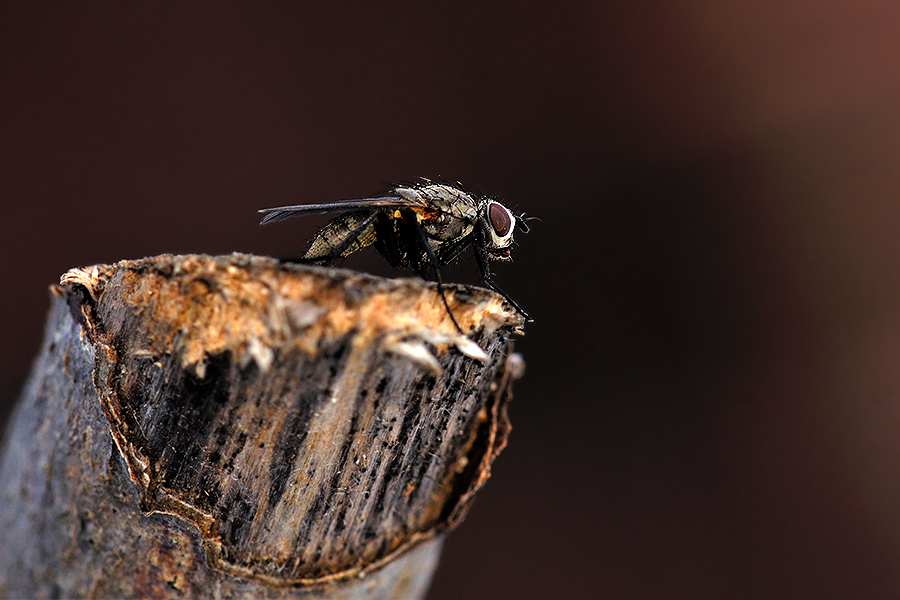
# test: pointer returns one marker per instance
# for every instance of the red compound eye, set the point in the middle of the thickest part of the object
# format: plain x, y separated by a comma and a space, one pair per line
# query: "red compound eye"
500, 218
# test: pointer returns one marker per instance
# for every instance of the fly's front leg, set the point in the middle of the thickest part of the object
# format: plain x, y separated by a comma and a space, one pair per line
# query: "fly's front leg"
485, 266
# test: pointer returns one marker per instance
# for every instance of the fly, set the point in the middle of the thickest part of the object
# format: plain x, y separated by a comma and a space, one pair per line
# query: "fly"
423, 226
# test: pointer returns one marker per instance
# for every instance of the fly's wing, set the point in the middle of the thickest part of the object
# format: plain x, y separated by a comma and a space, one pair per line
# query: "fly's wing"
286, 212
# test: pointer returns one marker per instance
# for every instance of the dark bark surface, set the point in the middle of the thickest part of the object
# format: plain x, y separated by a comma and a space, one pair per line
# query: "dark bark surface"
233, 426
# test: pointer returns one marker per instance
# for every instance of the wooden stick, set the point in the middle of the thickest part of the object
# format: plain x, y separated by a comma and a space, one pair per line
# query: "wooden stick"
238, 427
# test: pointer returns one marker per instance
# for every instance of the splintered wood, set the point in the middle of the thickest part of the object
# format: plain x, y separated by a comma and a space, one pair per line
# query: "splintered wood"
310, 426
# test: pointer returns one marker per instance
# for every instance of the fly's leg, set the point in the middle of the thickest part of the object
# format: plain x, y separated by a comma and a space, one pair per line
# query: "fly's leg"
450, 251
387, 242
410, 217
485, 266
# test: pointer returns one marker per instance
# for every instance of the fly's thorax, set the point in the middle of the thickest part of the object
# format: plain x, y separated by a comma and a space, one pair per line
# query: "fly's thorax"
443, 198
444, 227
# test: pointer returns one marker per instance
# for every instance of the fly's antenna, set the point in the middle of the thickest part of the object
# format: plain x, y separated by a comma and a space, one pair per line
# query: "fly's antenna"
521, 221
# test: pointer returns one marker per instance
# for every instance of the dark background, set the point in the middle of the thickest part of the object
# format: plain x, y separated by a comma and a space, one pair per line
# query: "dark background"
712, 402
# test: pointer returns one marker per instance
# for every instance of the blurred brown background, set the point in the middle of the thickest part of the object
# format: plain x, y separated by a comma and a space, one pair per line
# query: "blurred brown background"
712, 402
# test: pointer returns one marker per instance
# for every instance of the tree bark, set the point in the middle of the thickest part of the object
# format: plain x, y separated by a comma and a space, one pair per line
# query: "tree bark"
238, 427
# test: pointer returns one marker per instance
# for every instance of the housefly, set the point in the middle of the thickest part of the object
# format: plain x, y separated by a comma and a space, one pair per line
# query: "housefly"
422, 226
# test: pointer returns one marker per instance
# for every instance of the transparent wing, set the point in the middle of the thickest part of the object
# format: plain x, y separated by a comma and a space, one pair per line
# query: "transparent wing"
286, 212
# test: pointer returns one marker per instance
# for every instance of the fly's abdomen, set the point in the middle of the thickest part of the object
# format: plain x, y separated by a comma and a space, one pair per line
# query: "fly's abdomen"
341, 237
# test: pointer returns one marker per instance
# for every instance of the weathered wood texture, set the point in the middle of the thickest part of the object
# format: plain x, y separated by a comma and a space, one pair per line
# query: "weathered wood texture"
233, 426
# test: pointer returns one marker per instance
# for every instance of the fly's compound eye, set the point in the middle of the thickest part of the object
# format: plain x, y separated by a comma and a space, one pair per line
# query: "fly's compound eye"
499, 226
501, 219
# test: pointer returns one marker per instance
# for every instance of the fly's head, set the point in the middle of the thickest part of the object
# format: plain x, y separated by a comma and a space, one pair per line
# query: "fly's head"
499, 223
